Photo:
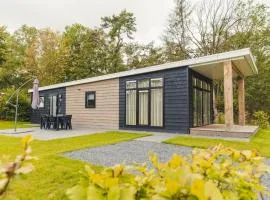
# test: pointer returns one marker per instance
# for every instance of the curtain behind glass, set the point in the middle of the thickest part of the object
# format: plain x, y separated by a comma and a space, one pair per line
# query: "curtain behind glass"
157, 107
131, 107
143, 107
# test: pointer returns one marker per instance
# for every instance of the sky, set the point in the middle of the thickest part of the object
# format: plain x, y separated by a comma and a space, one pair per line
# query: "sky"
151, 15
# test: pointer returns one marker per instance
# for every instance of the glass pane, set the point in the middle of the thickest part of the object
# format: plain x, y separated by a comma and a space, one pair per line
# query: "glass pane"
143, 107
54, 105
205, 108
143, 83
204, 85
131, 84
157, 107
199, 107
209, 107
194, 107
90, 97
199, 83
131, 107
208, 87
157, 82
194, 81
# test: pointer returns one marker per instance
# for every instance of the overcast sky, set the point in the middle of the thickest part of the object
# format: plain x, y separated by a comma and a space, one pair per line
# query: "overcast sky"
151, 15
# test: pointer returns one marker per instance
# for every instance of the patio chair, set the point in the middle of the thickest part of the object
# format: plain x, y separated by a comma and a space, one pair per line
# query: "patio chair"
51, 122
43, 121
67, 119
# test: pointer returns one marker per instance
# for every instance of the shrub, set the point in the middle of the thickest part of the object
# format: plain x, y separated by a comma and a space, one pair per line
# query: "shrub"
220, 118
261, 119
19, 166
216, 173
7, 112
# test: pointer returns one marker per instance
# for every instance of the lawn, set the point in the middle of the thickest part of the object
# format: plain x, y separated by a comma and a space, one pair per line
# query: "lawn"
261, 141
10, 125
53, 173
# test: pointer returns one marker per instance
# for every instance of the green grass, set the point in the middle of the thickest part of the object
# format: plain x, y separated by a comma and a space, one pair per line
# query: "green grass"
53, 173
261, 141
10, 125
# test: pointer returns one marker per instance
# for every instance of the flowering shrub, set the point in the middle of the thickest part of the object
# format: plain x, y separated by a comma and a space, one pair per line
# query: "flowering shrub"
19, 166
213, 174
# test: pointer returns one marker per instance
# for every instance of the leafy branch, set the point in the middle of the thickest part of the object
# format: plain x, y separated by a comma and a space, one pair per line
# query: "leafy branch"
19, 166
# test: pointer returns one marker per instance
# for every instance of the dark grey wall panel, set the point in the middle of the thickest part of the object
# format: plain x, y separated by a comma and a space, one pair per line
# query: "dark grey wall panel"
35, 114
176, 100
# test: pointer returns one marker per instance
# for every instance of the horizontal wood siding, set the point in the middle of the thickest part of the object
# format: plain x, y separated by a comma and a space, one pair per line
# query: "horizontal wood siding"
106, 112
35, 114
176, 100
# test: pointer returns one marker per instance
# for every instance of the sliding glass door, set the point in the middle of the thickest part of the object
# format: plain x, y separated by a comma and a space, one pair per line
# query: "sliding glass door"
201, 93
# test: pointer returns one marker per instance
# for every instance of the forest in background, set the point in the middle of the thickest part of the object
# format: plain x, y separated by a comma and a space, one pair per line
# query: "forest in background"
210, 26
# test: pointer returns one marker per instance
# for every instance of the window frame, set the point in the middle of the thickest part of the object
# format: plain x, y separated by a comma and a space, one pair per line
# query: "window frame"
86, 102
138, 89
200, 88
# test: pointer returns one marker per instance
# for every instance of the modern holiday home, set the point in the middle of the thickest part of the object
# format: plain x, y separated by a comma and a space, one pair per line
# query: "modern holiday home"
173, 97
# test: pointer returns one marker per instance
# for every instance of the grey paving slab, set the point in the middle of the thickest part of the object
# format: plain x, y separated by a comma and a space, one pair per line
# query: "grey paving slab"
41, 134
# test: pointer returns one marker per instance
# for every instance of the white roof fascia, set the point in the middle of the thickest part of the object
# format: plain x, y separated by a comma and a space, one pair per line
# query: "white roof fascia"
190, 62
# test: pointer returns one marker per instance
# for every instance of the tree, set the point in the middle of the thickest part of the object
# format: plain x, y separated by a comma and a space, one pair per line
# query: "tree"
118, 28
85, 51
176, 37
219, 26
3, 44
137, 55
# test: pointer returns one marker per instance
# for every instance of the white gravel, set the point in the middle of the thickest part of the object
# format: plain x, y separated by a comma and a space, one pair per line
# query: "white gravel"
136, 152
127, 153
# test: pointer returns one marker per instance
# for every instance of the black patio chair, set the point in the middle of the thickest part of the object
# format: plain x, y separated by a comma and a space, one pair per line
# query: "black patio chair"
51, 122
67, 119
43, 121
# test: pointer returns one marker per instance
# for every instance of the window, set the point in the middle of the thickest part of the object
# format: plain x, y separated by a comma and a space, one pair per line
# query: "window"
143, 107
53, 105
144, 102
143, 83
201, 101
131, 107
41, 102
90, 99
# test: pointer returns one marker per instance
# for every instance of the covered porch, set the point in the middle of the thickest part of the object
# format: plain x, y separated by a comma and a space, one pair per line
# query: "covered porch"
229, 66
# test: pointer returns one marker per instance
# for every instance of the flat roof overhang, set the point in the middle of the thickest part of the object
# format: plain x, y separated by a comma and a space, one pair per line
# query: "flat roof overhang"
242, 60
211, 66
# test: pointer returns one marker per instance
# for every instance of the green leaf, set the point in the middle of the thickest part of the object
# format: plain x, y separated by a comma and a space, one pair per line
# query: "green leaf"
76, 193
93, 193
128, 193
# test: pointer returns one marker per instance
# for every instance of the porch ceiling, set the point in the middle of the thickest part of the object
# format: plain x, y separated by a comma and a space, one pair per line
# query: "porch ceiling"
243, 65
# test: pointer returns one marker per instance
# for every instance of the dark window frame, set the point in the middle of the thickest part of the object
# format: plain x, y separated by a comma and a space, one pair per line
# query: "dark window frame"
86, 102
208, 91
149, 101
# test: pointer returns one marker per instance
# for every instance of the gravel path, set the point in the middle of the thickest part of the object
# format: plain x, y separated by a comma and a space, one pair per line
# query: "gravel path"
136, 152
127, 153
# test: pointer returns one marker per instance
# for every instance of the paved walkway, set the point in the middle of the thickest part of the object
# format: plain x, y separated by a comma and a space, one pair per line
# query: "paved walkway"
41, 134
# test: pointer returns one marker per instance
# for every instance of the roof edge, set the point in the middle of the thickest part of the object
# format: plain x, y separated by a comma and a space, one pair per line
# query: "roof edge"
190, 62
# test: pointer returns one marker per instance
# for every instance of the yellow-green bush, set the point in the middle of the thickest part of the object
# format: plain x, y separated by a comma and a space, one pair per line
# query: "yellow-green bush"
216, 173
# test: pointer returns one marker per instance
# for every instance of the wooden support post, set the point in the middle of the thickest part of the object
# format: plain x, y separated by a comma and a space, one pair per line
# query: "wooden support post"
228, 94
241, 101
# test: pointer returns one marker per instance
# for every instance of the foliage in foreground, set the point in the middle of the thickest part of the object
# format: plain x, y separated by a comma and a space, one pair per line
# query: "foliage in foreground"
19, 166
215, 173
